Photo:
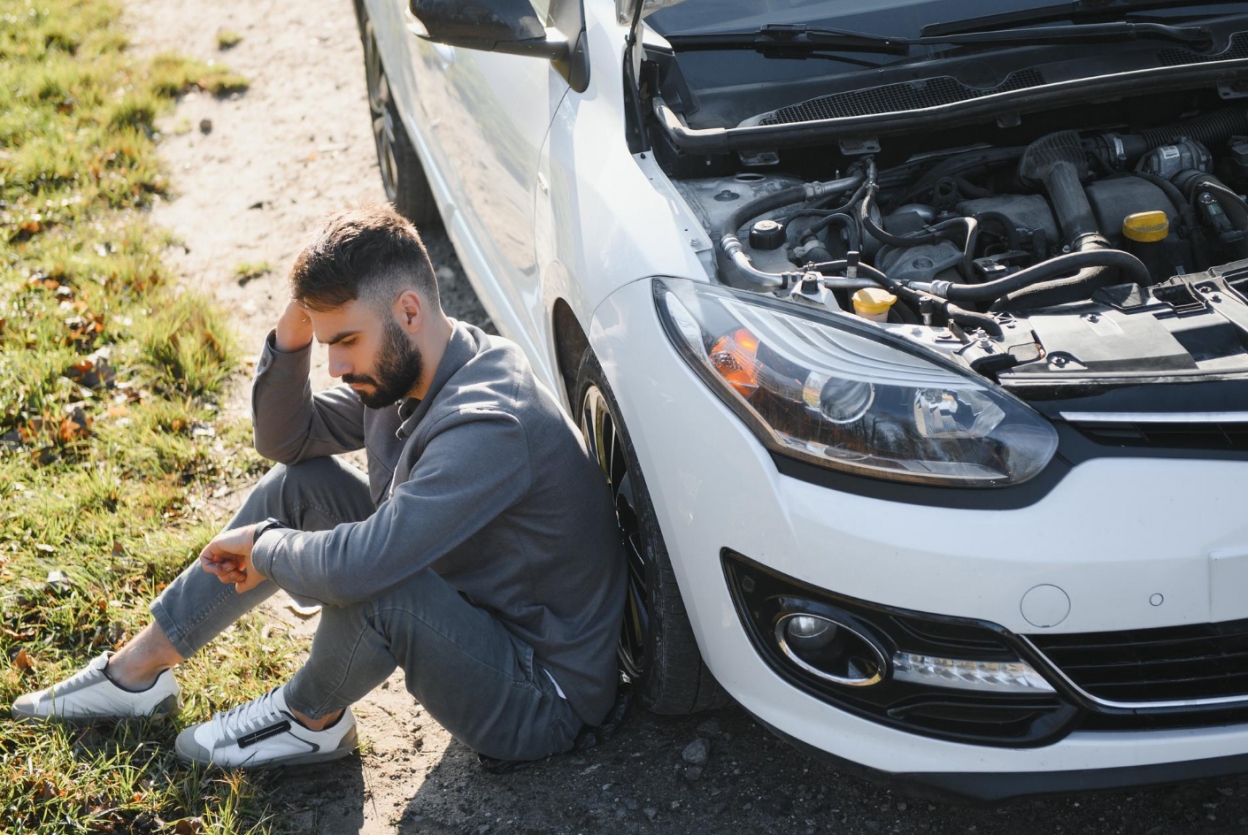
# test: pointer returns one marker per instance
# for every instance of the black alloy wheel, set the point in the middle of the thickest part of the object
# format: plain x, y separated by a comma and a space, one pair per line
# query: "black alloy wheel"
402, 175
598, 427
657, 650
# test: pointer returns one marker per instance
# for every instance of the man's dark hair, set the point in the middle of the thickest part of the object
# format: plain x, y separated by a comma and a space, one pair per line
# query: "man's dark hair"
366, 252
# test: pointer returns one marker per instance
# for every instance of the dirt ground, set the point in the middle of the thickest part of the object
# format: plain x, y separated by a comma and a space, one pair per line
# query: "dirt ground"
253, 173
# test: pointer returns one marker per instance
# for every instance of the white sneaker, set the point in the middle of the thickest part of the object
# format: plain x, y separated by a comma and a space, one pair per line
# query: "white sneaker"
90, 694
264, 732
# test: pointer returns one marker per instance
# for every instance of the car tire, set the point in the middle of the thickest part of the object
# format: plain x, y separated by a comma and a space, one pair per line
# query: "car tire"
658, 653
402, 175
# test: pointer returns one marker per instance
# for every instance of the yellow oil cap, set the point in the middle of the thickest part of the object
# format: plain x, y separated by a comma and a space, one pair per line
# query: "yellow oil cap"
1146, 227
872, 301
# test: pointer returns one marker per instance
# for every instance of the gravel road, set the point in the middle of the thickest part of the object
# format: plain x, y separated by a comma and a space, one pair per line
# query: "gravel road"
253, 173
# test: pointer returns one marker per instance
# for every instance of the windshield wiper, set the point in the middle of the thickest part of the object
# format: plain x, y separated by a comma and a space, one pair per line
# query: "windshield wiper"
1198, 36
795, 40
1077, 12
792, 39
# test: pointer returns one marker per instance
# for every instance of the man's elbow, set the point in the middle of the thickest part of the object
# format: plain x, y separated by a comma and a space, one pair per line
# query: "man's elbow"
278, 453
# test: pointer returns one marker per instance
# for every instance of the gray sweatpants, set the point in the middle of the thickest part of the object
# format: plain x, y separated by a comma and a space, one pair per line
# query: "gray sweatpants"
473, 676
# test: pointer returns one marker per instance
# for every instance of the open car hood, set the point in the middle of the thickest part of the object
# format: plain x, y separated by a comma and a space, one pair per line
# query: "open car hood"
625, 9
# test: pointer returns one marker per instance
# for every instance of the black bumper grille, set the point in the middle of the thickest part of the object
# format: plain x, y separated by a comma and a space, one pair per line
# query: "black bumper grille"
1175, 663
1212, 436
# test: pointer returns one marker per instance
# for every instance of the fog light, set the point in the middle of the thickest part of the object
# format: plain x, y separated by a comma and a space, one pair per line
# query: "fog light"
829, 649
959, 674
806, 633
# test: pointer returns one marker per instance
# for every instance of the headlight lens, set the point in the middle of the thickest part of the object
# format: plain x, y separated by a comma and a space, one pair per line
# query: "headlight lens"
823, 388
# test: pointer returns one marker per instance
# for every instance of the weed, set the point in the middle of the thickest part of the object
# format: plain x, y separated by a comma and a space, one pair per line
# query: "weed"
111, 441
249, 270
228, 39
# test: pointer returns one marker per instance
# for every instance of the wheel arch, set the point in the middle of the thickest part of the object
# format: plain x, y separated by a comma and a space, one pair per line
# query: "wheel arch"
571, 342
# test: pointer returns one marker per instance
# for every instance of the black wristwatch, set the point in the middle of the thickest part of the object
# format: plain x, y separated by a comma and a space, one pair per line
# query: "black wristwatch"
267, 525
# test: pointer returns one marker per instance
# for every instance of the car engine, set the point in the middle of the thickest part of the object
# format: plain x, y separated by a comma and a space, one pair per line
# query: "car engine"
1076, 256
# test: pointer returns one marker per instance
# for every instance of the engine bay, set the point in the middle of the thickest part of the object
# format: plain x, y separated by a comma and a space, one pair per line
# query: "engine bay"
1079, 258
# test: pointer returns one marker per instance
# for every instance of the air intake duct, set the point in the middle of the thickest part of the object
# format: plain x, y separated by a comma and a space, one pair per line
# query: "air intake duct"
1121, 151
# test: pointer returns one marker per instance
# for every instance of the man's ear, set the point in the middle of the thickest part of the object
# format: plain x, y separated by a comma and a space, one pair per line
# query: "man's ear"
409, 308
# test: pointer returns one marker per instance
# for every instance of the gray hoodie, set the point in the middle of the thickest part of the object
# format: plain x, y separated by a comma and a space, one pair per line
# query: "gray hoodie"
485, 481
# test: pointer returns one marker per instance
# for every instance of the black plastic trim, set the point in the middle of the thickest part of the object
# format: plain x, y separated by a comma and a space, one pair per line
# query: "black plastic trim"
1053, 720
1157, 80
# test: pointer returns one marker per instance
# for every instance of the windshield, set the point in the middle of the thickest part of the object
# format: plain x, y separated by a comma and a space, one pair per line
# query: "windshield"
890, 18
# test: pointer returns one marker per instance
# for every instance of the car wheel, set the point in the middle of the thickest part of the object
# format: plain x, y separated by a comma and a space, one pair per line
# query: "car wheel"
657, 651
402, 175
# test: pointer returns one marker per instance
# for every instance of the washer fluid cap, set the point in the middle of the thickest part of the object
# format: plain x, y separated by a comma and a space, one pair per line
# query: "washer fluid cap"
767, 234
873, 300
1045, 606
1146, 227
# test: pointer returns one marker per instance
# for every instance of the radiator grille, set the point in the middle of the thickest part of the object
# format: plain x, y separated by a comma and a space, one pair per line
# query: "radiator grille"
1176, 663
895, 98
1228, 437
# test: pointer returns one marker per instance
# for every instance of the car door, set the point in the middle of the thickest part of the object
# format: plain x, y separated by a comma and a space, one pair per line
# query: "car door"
487, 115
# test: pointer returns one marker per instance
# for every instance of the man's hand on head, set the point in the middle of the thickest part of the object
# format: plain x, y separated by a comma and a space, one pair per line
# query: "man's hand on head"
228, 556
294, 328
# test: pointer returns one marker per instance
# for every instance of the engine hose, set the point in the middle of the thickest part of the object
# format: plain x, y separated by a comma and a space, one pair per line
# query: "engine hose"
958, 164
909, 297
731, 244
1052, 269
975, 320
1187, 217
1012, 239
842, 219
1081, 285
934, 233
1209, 129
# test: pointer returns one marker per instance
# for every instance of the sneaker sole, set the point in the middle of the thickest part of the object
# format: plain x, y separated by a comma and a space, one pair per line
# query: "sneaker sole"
168, 707
190, 751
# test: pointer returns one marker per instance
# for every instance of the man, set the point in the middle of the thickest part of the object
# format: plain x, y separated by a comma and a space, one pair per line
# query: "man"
480, 553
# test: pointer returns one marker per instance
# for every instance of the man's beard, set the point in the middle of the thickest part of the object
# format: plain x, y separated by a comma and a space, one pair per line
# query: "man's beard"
398, 370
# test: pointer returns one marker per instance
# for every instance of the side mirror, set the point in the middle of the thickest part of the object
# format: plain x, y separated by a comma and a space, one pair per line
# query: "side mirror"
510, 26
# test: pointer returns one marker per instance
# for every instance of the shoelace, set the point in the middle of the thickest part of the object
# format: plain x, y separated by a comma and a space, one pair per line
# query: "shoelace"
250, 716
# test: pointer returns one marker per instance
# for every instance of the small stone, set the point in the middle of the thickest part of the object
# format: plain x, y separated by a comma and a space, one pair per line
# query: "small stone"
747, 807
709, 728
674, 805
205, 126
445, 273
697, 752
606, 787
650, 812
631, 805
901, 807
693, 773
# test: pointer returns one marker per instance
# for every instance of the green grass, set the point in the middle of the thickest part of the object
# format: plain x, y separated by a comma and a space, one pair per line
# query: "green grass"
228, 39
249, 270
111, 440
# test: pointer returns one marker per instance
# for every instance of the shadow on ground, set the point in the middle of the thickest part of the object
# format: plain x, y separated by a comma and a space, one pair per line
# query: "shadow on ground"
638, 782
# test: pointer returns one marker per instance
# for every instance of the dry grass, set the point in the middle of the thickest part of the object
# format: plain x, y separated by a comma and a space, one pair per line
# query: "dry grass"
111, 444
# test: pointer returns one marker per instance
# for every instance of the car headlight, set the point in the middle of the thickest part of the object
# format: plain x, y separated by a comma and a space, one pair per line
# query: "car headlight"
837, 392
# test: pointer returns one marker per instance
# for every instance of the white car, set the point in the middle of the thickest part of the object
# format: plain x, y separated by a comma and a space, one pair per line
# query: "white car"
913, 342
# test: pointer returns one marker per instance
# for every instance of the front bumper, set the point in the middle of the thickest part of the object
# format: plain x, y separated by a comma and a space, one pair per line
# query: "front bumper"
1133, 543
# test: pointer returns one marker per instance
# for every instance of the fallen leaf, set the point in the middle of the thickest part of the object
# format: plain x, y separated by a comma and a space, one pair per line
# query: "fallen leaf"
23, 661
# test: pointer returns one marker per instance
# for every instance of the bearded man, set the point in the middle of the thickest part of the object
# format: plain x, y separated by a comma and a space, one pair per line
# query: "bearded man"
480, 553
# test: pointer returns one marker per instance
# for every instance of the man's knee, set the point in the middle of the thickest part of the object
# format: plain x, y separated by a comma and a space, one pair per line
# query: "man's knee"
314, 494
